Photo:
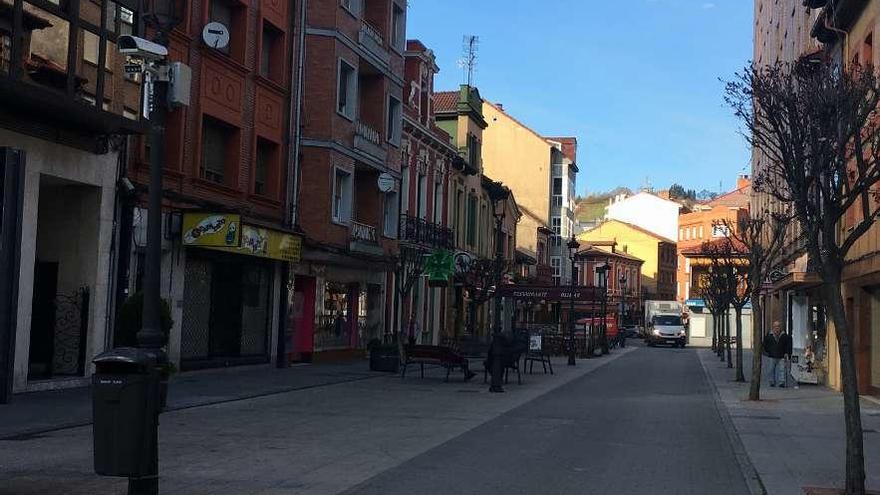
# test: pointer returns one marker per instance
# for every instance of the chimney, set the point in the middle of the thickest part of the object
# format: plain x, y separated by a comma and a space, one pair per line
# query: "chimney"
500, 106
743, 181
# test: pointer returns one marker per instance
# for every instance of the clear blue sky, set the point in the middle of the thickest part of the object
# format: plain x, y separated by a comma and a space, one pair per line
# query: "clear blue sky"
636, 81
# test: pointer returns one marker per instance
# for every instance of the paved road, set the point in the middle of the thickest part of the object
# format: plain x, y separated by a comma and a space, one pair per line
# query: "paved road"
645, 423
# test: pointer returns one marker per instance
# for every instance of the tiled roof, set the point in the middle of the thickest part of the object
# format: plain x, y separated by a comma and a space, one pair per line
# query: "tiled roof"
720, 245
591, 251
445, 101
738, 198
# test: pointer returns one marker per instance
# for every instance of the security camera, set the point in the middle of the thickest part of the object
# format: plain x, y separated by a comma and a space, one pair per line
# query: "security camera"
141, 48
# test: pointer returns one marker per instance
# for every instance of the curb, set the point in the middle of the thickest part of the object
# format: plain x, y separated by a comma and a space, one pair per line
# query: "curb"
750, 474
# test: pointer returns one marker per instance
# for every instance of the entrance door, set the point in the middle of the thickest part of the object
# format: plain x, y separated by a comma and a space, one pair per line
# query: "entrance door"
875, 339
226, 299
42, 343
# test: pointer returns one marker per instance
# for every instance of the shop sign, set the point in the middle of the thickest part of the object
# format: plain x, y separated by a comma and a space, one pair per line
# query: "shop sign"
267, 243
211, 230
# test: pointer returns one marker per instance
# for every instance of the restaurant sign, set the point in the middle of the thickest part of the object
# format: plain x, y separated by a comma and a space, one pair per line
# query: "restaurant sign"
550, 294
267, 243
221, 232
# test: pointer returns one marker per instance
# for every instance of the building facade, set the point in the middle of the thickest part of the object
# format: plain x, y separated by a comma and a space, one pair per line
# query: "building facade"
429, 159
624, 278
705, 222
542, 173
657, 253
648, 211
65, 109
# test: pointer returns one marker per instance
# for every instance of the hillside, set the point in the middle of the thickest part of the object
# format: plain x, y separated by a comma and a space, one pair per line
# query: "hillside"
592, 207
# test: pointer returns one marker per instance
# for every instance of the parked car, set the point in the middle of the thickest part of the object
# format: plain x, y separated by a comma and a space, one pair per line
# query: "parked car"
666, 329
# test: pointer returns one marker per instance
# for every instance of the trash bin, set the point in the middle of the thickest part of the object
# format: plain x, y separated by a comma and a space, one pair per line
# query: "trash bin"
125, 411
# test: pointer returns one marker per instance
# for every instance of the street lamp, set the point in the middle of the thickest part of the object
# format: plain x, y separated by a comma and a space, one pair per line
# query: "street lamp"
621, 334
603, 283
573, 246
498, 343
161, 16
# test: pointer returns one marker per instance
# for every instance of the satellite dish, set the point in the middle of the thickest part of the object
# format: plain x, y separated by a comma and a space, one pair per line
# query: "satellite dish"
216, 35
385, 182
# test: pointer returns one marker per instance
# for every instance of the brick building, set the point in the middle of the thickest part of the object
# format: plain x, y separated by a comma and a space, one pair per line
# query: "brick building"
225, 178
352, 106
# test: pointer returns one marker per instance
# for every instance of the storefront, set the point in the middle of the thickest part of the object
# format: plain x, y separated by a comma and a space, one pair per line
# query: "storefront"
232, 290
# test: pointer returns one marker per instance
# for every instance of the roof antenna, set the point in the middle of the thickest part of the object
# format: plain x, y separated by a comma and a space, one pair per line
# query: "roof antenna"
469, 47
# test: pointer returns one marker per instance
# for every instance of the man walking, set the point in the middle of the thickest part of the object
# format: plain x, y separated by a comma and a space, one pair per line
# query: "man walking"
777, 346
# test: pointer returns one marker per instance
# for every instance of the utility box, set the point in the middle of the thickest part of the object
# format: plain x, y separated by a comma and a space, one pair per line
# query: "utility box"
179, 84
125, 411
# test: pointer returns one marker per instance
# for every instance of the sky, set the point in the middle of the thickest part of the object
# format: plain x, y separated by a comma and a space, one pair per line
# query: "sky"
636, 81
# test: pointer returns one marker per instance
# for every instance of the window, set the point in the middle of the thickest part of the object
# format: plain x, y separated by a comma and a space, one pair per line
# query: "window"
390, 215
5, 51
398, 27
556, 263
438, 202
557, 186
422, 196
272, 54
216, 138
404, 188
701, 231
687, 234
353, 6
473, 150
680, 234
222, 12
556, 224
472, 221
264, 164
395, 120
346, 95
459, 206
341, 196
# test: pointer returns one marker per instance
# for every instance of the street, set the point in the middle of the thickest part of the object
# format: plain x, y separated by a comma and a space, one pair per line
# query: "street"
641, 420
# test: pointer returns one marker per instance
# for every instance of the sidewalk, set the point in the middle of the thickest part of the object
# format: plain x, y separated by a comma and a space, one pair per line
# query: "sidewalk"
794, 438
39, 412
312, 440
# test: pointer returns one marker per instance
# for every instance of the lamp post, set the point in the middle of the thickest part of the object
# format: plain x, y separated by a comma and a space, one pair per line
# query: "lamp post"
573, 246
603, 283
161, 16
498, 344
621, 334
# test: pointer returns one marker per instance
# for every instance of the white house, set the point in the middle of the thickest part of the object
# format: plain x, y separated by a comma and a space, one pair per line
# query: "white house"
647, 211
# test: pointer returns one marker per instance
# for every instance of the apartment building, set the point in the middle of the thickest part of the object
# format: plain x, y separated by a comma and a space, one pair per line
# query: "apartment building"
707, 222
350, 174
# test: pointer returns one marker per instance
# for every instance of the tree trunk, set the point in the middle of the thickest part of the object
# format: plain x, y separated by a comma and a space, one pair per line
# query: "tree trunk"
740, 377
721, 336
757, 347
855, 454
727, 338
714, 333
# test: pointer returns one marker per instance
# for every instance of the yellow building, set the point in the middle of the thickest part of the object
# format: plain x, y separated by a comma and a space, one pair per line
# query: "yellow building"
658, 253
541, 173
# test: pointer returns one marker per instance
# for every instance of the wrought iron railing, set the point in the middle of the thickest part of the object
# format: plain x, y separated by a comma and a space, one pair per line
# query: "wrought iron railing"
368, 133
372, 33
332, 332
417, 230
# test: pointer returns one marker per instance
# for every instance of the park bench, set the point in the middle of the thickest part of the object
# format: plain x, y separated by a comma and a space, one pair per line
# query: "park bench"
443, 356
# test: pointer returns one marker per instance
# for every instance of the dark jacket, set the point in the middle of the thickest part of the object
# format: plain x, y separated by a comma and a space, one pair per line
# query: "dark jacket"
779, 347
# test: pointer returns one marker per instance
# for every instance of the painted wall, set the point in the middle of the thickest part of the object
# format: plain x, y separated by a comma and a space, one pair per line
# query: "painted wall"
519, 158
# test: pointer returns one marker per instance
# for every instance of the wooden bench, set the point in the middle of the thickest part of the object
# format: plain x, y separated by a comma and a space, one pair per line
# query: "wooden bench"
442, 356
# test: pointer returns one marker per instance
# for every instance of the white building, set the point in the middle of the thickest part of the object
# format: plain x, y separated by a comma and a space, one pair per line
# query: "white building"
645, 210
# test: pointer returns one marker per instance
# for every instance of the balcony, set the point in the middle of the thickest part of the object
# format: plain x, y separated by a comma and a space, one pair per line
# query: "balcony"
371, 40
368, 140
363, 238
414, 230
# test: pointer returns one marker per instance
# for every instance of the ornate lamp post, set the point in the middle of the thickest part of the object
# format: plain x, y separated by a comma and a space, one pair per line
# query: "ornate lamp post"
621, 335
603, 284
573, 246
498, 342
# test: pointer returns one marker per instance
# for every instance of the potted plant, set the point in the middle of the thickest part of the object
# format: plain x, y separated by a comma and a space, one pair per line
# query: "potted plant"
383, 356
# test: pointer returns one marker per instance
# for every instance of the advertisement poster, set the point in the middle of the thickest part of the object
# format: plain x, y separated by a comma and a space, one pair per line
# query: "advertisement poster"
211, 230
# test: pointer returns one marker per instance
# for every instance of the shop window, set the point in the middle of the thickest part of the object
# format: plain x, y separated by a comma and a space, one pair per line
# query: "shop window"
217, 139
346, 95
341, 196
398, 27
272, 54
395, 120
265, 166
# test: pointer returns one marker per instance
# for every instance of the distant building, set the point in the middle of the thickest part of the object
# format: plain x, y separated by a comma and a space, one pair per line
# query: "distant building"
706, 222
648, 211
624, 278
657, 252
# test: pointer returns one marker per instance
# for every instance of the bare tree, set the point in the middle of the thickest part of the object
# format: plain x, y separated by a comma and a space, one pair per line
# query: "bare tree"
409, 269
481, 277
717, 294
761, 234
729, 256
816, 128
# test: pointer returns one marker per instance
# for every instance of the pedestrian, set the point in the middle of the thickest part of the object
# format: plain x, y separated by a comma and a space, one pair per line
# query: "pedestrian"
777, 346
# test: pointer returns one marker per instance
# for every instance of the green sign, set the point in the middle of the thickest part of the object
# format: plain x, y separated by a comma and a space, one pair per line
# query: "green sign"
439, 266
